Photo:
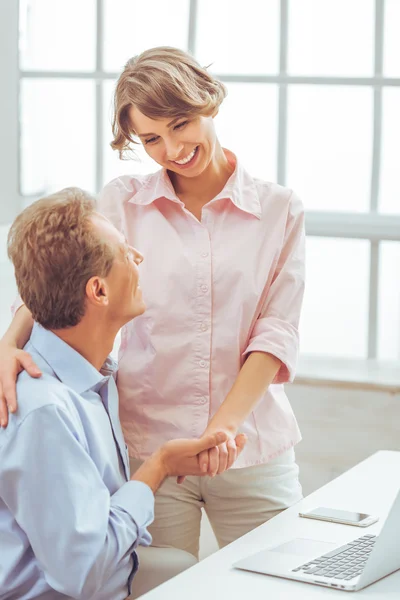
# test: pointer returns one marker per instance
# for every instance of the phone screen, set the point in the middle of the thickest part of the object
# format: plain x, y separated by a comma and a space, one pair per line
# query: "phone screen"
340, 515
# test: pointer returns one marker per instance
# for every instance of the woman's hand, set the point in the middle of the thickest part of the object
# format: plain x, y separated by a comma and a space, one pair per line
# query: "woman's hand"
220, 458
12, 362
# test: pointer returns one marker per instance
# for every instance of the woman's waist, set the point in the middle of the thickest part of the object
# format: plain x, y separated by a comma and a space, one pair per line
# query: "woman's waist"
175, 409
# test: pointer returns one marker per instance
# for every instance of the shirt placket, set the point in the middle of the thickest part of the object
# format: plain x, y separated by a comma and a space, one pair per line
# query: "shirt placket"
115, 428
203, 322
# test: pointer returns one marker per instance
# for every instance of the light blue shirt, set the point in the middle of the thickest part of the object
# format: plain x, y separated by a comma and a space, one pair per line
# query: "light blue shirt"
69, 516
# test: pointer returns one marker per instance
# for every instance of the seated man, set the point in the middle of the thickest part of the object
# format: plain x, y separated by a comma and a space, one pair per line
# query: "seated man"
70, 516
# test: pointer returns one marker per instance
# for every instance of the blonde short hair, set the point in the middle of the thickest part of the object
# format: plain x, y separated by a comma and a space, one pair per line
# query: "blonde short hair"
162, 83
55, 251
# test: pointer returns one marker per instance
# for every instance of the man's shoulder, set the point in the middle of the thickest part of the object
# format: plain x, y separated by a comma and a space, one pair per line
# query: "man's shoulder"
38, 401
38, 393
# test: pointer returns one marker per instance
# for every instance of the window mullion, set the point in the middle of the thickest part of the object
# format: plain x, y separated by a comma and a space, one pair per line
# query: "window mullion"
99, 129
192, 27
283, 96
373, 311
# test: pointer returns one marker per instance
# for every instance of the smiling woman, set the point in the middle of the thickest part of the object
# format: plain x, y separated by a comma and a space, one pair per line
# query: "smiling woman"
219, 336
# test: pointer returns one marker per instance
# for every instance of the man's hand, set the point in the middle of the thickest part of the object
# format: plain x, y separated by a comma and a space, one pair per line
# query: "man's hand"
12, 362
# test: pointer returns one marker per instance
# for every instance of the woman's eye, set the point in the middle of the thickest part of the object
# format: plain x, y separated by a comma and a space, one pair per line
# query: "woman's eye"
181, 125
151, 140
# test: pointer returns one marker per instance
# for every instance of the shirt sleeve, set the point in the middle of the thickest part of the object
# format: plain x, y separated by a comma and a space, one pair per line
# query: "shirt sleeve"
276, 329
79, 533
110, 201
18, 302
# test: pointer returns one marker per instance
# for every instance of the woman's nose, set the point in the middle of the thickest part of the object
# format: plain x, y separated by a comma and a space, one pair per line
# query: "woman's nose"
174, 149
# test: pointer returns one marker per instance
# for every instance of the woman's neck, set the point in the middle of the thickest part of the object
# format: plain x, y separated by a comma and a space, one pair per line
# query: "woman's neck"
208, 184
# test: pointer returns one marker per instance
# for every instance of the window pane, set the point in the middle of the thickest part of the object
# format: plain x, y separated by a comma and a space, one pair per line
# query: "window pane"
57, 35
334, 320
391, 66
330, 146
238, 37
389, 302
389, 188
113, 167
331, 38
132, 26
57, 135
250, 134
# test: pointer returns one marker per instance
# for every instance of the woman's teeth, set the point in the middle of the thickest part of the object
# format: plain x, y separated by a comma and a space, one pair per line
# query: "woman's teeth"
184, 161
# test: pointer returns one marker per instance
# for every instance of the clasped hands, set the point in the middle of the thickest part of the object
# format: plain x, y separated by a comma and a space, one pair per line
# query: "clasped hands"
219, 458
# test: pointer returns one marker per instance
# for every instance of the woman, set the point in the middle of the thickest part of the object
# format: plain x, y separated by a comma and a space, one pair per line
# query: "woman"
223, 284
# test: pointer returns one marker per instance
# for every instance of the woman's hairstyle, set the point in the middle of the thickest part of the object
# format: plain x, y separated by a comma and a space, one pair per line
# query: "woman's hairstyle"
162, 83
56, 249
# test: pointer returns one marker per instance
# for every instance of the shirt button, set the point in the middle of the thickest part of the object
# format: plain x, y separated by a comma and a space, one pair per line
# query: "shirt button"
204, 288
203, 399
203, 363
203, 327
204, 254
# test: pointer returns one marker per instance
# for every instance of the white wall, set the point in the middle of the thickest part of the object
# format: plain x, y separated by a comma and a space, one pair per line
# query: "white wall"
341, 426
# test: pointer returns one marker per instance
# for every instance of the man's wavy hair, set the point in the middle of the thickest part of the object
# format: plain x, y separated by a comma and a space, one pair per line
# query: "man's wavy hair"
55, 250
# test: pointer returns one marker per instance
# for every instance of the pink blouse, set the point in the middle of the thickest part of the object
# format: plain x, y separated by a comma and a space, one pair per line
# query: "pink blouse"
215, 291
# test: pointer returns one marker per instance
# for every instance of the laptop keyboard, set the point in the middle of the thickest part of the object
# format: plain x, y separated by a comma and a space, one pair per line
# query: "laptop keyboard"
344, 563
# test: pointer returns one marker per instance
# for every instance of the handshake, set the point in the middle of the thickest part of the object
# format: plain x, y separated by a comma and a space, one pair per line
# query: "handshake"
213, 453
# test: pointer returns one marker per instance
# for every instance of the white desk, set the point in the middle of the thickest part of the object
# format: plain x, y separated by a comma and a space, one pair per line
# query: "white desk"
369, 487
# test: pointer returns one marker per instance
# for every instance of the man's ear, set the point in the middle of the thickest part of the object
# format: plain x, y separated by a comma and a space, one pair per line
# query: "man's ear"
97, 291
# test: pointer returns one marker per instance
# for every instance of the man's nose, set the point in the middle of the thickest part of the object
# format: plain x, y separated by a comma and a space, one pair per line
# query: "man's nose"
137, 256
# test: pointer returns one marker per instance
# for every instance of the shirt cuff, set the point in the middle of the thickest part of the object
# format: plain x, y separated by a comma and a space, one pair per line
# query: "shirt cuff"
279, 338
137, 499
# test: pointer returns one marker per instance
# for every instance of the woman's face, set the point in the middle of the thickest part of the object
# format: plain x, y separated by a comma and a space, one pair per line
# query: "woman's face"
185, 145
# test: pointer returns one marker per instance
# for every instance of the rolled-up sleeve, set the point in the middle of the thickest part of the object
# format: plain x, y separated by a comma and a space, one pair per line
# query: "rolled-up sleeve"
276, 329
79, 533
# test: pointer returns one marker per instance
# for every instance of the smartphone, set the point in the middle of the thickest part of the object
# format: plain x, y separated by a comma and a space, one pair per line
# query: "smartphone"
340, 516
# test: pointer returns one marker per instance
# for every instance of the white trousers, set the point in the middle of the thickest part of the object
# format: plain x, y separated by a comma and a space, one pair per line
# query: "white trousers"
236, 502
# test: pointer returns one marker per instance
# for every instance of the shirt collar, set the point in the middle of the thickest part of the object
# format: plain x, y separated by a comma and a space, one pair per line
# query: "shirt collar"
69, 366
240, 189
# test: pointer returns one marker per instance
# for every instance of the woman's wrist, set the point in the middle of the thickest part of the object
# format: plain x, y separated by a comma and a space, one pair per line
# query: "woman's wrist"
229, 428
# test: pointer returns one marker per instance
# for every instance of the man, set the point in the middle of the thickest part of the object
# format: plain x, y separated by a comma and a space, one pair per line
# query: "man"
70, 515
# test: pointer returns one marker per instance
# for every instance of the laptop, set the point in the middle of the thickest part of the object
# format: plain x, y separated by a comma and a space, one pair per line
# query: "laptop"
349, 567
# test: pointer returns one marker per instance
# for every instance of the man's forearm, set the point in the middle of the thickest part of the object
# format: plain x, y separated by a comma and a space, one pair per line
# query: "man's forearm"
20, 329
255, 376
152, 472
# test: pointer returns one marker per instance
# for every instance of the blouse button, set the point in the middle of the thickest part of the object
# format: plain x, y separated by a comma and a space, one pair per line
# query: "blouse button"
203, 363
204, 288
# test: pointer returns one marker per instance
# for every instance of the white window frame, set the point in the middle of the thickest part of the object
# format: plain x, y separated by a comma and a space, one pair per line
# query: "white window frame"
372, 226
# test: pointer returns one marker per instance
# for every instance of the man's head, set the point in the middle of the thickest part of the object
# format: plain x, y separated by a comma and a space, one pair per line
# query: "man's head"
70, 260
